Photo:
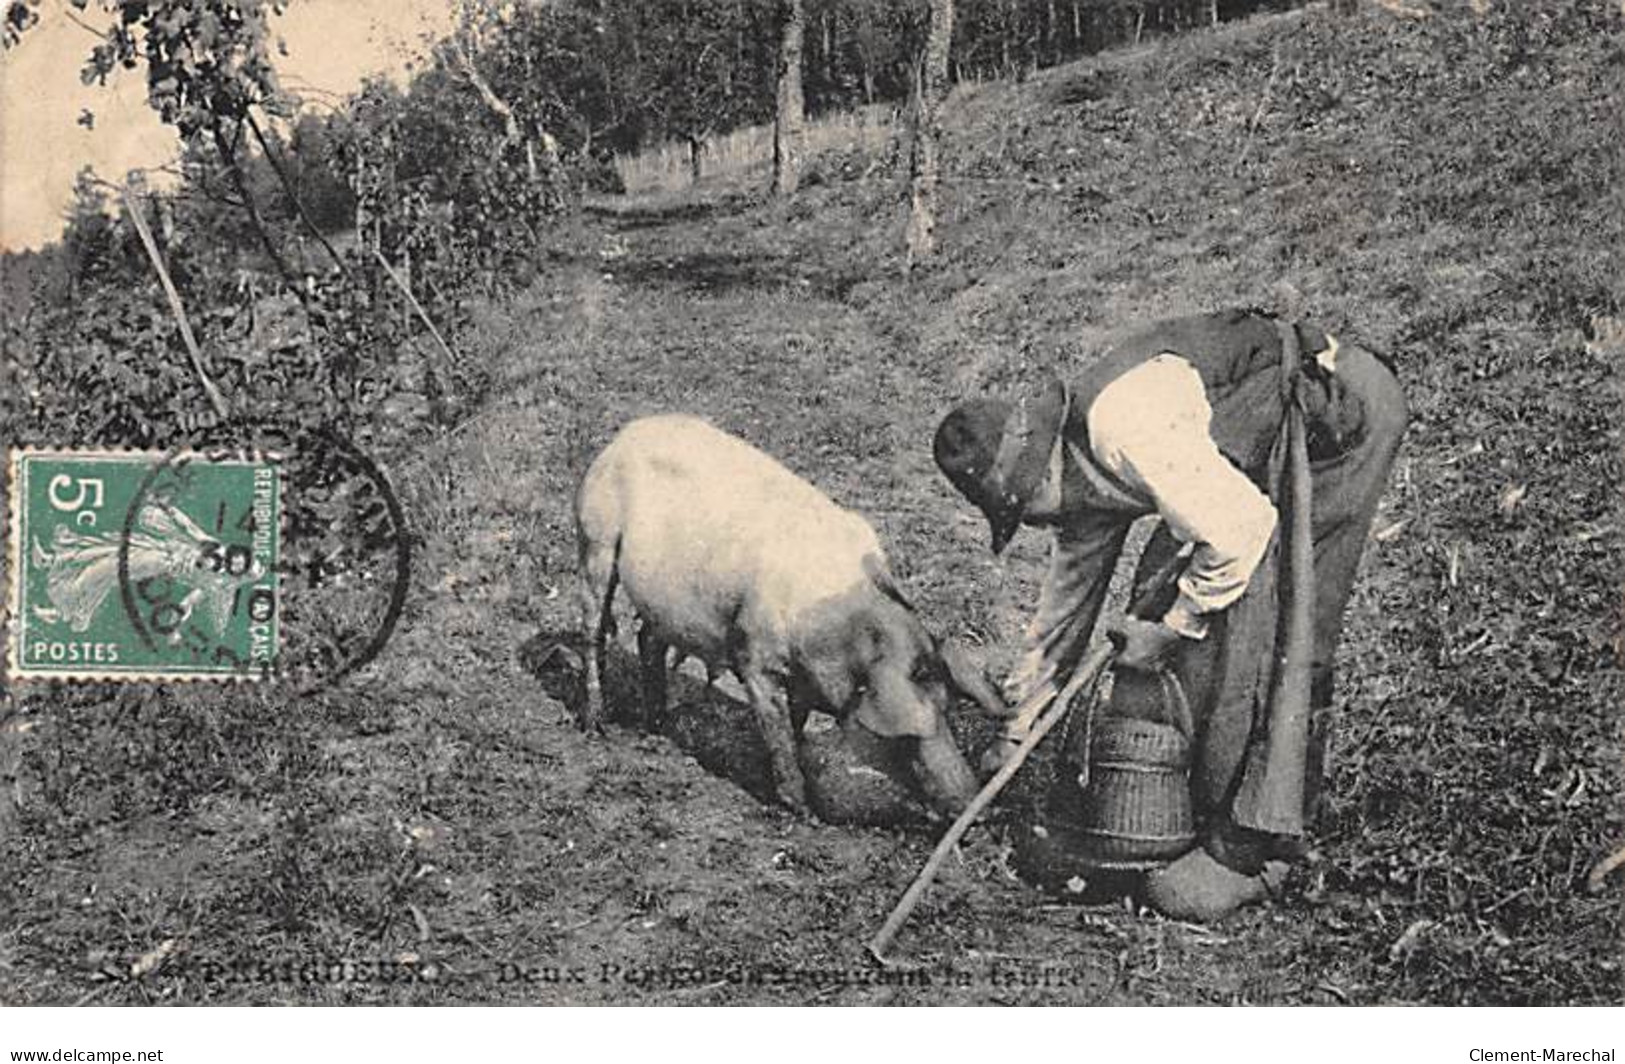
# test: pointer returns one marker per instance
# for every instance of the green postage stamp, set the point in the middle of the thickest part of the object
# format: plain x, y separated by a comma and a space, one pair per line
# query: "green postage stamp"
142, 565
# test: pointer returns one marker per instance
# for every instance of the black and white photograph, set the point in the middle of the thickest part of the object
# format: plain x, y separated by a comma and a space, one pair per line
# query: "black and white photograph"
812, 503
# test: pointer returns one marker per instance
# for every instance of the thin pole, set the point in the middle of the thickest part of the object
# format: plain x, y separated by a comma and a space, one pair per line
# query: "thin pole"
216, 400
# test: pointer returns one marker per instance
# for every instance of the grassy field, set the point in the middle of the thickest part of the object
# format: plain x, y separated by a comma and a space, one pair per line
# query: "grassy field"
1445, 190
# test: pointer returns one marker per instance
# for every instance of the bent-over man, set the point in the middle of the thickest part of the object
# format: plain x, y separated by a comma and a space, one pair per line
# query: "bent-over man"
1225, 425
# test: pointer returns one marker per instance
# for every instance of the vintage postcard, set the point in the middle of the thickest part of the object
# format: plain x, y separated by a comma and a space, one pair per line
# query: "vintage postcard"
813, 502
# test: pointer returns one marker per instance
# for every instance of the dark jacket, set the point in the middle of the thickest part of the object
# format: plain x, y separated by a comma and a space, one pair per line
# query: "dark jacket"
1237, 353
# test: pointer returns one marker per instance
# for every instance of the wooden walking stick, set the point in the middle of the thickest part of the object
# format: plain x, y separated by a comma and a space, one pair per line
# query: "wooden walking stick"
1083, 677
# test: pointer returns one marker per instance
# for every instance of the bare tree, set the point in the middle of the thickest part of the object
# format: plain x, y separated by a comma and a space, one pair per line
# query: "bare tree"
477, 19
930, 86
790, 115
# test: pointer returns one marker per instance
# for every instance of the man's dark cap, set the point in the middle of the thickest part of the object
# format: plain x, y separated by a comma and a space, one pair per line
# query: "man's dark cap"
997, 453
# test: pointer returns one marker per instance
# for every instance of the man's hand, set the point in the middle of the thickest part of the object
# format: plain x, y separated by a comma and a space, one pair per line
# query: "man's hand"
1144, 646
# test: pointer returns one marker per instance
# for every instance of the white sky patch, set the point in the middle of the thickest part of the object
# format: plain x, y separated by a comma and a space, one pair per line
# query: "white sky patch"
332, 45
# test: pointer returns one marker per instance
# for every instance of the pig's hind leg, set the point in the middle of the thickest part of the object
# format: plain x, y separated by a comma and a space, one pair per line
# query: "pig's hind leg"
599, 577
652, 654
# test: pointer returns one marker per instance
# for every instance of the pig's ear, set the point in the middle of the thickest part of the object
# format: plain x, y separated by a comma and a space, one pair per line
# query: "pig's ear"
972, 682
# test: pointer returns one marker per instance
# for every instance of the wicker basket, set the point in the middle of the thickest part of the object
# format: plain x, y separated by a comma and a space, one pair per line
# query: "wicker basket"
1131, 808
1136, 809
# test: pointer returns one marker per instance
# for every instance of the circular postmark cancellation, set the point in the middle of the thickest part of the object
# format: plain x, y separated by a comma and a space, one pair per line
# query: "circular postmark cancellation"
277, 554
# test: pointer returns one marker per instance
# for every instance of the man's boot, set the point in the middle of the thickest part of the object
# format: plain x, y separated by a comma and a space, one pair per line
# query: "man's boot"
1229, 870
1196, 887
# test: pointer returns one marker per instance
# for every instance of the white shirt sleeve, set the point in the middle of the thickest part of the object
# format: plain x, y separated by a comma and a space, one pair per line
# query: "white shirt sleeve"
1149, 428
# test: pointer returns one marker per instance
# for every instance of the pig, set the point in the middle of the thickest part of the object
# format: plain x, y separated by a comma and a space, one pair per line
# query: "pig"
729, 557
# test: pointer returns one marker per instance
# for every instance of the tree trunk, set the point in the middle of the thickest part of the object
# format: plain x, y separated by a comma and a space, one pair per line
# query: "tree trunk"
360, 194
228, 155
790, 115
696, 148
512, 132
830, 73
930, 86
292, 193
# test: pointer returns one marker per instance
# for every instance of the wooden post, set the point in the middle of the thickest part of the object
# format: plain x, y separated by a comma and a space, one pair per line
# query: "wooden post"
132, 207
